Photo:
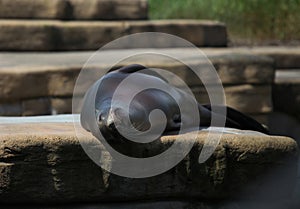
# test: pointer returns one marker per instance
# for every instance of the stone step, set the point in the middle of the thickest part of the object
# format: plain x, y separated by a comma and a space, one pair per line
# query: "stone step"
74, 9
284, 57
25, 35
287, 76
55, 75
249, 99
43, 162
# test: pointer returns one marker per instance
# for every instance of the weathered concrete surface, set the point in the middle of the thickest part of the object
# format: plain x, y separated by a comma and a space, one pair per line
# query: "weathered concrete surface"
55, 73
25, 35
44, 162
74, 9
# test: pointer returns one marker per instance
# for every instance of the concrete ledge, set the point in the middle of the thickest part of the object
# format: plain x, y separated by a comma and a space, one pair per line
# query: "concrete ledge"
284, 57
246, 78
74, 9
56, 73
44, 162
25, 35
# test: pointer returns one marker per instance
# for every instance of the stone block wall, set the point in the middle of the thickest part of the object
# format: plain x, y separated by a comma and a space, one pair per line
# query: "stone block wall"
39, 89
44, 163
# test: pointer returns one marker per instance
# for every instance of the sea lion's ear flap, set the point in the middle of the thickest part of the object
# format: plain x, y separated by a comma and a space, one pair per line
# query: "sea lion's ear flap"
136, 67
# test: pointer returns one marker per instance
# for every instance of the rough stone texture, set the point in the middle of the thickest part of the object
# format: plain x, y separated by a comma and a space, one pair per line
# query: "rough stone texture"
28, 9
25, 35
284, 76
23, 85
61, 105
240, 68
285, 57
55, 74
36, 107
11, 109
246, 98
235, 97
45, 163
74, 9
209, 33
109, 9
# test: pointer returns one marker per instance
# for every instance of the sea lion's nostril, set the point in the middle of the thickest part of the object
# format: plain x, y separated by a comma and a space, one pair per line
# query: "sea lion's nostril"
112, 126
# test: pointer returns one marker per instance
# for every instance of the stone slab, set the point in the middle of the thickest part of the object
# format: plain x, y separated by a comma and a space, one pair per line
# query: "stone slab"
61, 105
240, 97
56, 73
74, 9
39, 106
287, 76
250, 99
29, 107
28, 9
44, 162
25, 35
63, 118
11, 109
285, 57
109, 9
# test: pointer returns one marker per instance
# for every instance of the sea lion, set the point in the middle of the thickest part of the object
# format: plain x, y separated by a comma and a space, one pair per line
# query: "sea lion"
110, 119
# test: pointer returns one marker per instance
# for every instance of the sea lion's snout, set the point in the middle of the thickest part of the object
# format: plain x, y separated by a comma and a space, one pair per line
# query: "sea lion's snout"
113, 120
